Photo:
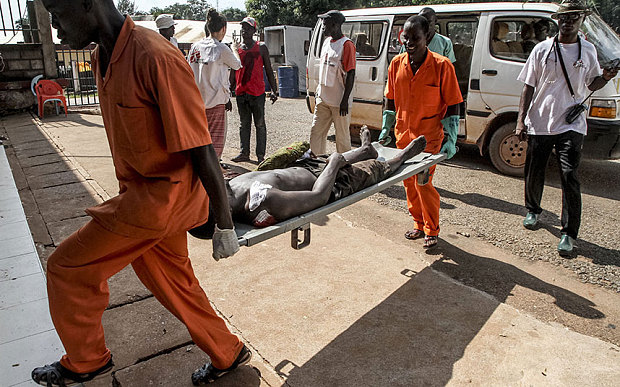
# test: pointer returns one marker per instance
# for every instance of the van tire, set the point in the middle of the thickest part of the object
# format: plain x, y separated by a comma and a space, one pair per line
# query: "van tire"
506, 152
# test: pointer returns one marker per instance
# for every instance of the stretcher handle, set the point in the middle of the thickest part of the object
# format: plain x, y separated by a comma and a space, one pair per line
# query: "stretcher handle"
296, 243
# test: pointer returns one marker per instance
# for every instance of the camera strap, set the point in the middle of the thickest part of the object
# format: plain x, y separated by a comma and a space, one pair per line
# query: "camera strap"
559, 54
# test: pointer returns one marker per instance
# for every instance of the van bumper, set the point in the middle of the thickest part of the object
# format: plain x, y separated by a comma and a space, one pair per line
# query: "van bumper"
603, 140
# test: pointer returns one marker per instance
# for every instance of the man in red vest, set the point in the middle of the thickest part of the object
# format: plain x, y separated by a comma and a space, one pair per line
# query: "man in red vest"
250, 90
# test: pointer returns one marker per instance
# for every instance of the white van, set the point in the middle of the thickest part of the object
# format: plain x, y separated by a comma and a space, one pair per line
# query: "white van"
491, 44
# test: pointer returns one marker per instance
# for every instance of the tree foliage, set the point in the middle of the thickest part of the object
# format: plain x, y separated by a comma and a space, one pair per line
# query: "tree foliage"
294, 12
191, 10
233, 14
126, 7
303, 12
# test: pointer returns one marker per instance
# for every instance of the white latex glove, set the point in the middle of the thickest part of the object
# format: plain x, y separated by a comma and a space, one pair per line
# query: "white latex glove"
225, 243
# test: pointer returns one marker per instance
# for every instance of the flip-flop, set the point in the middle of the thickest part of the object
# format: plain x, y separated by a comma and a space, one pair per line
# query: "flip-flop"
414, 234
430, 241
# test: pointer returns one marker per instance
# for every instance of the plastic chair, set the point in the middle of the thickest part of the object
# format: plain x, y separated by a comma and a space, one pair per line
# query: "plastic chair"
49, 91
34, 82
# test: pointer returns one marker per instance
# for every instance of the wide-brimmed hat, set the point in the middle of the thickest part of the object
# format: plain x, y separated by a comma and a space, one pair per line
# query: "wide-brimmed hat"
572, 6
164, 21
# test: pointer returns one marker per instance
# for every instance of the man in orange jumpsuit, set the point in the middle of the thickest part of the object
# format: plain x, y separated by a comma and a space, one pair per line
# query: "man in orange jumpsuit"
422, 96
166, 166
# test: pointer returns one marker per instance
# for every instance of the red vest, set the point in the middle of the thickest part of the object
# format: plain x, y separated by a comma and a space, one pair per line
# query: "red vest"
250, 77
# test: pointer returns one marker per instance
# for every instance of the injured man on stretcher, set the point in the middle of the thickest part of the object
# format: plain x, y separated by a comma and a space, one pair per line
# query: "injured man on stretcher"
263, 198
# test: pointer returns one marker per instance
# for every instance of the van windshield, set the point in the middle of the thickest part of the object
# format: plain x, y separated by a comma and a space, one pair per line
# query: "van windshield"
605, 40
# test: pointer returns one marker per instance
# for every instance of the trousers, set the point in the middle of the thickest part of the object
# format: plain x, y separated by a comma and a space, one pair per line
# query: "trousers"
77, 274
249, 107
324, 115
568, 154
423, 201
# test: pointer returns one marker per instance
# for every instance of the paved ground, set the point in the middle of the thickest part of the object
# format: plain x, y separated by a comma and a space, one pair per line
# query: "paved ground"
359, 306
28, 337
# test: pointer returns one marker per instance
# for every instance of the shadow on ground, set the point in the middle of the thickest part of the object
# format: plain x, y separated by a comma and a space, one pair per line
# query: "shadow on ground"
422, 329
598, 177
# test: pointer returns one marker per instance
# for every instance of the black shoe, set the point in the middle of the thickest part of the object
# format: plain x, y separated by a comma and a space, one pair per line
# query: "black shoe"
56, 374
261, 159
207, 373
240, 157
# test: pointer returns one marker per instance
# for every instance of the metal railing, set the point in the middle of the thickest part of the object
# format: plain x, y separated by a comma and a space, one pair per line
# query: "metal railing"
18, 22
76, 76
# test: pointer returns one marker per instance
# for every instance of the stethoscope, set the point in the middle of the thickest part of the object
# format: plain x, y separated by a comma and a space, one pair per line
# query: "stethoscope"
556, 46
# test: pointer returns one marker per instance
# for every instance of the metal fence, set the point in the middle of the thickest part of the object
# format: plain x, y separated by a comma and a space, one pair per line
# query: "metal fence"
18, 22
75, 74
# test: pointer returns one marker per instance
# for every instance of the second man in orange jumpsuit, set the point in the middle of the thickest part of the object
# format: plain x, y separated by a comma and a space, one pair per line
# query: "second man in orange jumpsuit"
422, 97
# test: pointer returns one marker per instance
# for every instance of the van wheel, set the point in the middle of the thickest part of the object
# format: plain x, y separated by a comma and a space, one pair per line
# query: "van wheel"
506, 152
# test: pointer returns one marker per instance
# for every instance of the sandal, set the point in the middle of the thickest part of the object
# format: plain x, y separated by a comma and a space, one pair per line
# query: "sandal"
430, 241
414, 234
56, 374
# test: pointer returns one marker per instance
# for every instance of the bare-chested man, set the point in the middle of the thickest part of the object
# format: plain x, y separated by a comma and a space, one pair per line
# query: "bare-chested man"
263, 198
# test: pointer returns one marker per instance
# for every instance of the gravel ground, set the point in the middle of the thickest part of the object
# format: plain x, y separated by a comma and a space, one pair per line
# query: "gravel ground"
489, 205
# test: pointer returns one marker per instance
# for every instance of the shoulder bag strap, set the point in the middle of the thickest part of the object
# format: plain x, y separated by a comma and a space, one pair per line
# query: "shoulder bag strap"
559, 53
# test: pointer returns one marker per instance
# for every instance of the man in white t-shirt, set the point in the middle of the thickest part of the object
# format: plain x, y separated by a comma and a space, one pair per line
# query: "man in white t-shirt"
546, 100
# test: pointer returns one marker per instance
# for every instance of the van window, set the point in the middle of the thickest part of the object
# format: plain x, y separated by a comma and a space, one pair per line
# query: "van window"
395, 39
462, 34
365, 35
513, 39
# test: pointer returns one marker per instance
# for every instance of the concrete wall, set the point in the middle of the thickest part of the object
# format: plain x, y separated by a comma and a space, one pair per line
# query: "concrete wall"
15, 96
22, 62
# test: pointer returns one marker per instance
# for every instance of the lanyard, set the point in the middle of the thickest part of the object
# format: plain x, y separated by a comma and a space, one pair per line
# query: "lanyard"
559, 54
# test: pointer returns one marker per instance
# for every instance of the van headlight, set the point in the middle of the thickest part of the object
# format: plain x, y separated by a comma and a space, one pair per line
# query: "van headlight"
603, 108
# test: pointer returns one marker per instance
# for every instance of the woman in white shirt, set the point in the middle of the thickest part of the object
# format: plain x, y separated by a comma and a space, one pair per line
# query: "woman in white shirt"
210, 60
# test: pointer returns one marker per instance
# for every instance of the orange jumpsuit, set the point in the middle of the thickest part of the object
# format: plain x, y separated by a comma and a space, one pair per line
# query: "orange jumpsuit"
421, 101
153, 114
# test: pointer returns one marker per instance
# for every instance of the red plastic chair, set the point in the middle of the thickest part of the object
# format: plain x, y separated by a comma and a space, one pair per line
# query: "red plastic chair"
49, 91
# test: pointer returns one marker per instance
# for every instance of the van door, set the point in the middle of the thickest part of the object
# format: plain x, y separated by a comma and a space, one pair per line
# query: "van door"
462, 32
505, 54
370, 35
312, 65
502, 48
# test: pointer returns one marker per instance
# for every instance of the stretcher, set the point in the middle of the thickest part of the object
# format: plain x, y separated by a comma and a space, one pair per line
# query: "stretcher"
249, 235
